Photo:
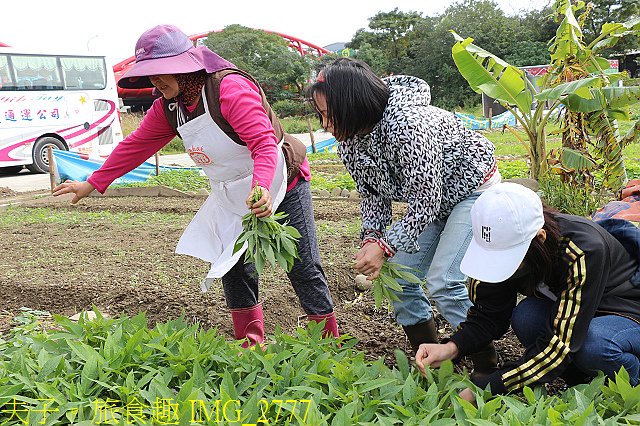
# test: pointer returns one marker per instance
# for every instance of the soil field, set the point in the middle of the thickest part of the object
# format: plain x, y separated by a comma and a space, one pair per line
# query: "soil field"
117, 253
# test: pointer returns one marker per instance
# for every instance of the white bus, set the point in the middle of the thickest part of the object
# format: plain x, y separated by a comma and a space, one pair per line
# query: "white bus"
65, 101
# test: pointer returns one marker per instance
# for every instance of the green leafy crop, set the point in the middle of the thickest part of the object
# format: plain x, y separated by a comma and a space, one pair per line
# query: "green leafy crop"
268, 239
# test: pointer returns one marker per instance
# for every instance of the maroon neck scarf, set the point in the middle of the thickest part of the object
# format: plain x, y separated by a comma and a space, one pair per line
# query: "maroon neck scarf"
190, 86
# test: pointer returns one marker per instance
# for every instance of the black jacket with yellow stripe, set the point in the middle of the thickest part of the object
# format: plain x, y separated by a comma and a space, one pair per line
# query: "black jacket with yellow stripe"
589, 278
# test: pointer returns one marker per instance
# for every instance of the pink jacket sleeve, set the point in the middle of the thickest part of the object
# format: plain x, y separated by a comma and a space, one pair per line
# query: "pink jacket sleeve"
154, 133
241, 106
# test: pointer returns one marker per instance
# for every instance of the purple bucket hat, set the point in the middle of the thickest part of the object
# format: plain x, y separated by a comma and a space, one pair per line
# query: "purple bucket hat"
164, 49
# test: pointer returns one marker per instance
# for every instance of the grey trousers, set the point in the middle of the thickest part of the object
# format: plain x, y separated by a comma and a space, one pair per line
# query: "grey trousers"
307, 277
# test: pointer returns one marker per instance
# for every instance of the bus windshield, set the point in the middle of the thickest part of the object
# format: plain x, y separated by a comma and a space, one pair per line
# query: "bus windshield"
65, 101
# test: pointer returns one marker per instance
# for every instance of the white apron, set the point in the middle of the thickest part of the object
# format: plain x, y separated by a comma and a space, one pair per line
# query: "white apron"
214, 229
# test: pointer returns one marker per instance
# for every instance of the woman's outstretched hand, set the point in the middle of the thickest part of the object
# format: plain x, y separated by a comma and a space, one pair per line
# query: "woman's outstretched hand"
80, 189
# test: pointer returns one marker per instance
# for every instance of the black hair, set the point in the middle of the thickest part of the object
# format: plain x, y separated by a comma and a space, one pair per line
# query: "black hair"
541, 255
356, 97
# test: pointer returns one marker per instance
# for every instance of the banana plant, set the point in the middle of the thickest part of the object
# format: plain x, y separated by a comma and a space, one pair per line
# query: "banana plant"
575, 87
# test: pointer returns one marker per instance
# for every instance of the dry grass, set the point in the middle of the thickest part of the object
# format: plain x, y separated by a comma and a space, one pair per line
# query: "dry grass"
130, 122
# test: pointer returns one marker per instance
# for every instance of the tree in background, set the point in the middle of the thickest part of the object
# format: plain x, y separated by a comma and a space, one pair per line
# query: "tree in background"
429, 57
429, 54
535, 29
387, 40
267, 57
575, 80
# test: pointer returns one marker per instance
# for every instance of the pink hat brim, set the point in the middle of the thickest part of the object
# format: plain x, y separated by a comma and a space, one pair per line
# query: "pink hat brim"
138, 76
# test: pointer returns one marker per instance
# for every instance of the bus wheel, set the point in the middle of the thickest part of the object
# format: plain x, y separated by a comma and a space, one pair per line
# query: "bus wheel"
41, 155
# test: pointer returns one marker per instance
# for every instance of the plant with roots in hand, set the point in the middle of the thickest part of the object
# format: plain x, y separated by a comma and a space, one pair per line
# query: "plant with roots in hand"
385, 286
268, 239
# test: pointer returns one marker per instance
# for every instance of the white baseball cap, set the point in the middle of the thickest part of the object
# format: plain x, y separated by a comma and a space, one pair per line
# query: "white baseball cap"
505, 219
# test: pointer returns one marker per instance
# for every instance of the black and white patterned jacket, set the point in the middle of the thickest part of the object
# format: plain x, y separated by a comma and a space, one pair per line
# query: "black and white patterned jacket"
419, 154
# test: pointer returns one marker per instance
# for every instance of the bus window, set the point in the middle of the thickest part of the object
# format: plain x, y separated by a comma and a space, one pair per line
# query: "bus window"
83, 73
6, 83
34, 72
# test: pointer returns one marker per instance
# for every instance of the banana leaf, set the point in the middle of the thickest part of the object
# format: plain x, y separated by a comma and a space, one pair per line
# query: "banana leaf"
608, 147
580, 88
575, 160
488, 74
612, 32
632, 135
603, 98
568, 37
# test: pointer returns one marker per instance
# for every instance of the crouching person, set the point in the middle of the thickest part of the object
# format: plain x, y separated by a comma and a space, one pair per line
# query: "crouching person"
581, 312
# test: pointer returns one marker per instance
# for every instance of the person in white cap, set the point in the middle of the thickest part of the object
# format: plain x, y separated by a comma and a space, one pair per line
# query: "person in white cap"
581, 313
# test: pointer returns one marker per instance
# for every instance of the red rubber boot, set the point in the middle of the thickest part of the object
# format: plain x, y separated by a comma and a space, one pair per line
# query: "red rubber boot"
330, 326
248, 325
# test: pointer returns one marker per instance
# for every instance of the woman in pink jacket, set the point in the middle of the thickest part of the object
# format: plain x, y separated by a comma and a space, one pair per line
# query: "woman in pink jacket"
228, 129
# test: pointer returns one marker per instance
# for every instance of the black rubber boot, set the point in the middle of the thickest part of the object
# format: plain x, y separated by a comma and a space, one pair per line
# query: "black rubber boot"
423, 332
485, 361
572, 376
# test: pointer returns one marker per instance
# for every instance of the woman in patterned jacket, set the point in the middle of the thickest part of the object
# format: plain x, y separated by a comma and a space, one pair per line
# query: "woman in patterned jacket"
398, 147
581, 313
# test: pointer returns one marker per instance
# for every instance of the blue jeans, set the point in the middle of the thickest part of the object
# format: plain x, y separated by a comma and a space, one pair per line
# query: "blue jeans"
612, 341
442, 247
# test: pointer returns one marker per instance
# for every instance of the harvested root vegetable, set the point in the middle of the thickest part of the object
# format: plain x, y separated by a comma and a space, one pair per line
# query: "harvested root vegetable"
362, 283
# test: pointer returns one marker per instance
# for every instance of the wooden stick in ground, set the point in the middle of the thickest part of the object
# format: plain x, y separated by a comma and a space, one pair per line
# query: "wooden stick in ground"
157, 164
52, 175
313, 139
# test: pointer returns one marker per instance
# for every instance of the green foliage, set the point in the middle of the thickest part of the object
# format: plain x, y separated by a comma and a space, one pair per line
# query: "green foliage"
576, 79
527, 52
605, 11
375, 57
78, 218
386, 286
118, 371
429, 52
513, 169
330, 181
387, 39
290, 107
131, 121
265, 56
631, 81
269, 239
182, 180
294, 125
571, 199
176, 146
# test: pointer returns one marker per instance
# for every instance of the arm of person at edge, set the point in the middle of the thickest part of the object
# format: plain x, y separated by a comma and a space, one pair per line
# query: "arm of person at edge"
488, 319
421, 190
153, 133
241, 106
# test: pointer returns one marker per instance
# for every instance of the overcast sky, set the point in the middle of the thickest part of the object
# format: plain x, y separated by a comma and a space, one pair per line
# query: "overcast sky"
112, 27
